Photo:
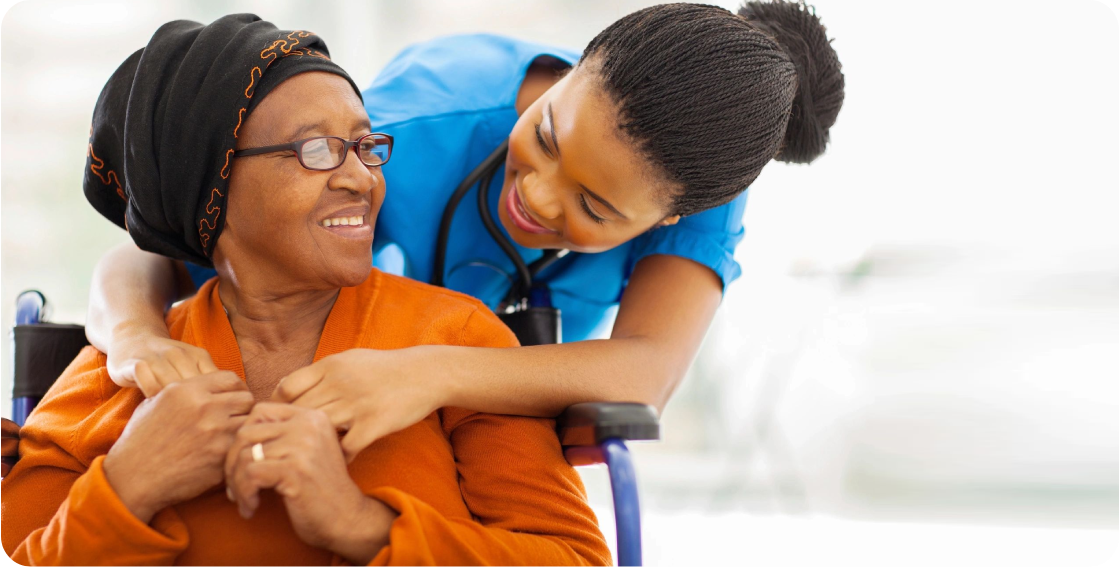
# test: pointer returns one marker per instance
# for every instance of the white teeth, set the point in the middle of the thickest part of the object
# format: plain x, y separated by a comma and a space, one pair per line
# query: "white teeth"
344, 221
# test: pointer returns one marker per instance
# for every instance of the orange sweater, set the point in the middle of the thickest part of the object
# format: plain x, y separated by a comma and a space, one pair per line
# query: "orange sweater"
470, 488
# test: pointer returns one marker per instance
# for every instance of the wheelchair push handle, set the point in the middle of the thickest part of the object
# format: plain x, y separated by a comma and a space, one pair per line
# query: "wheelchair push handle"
31, 307
42, 351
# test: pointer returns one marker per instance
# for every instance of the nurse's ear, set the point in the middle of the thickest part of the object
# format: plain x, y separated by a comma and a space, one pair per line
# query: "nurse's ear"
668, 221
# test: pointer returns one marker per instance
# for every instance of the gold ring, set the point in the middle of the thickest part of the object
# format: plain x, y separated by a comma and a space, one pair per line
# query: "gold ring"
258, 452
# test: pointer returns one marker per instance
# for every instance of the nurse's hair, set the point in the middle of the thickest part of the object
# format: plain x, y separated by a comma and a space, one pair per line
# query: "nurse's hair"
710, 97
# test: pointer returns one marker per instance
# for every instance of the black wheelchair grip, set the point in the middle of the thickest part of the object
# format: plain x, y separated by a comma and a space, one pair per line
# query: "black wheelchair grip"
589, 424
42, 352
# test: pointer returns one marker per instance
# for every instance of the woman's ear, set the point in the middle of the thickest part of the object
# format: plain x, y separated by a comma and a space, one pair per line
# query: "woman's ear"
669, 221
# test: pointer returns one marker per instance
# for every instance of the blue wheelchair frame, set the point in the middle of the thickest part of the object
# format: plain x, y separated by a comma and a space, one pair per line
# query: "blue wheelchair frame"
590, 433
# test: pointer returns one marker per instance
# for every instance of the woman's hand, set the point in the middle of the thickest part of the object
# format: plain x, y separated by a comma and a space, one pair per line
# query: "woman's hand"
300, 458
368, 393
150, 363
175, 443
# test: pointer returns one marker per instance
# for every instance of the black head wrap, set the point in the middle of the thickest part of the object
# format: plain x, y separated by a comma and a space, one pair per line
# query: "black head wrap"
165, 125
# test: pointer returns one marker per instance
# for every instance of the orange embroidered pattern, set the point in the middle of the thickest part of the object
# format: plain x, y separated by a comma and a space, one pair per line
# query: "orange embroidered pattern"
96, 165
225, 168
209, 224
240, 117
271, 53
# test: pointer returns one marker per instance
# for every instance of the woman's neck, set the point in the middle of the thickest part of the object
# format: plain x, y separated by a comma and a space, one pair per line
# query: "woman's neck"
277, 333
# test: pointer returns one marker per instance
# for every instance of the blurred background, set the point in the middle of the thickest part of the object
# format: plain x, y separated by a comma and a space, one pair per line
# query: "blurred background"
920, 363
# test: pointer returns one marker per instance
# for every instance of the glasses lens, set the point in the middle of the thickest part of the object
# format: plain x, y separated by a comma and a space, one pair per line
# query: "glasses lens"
323, 153
374, 149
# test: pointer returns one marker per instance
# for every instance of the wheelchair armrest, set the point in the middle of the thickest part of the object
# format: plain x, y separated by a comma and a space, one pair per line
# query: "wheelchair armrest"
589, 424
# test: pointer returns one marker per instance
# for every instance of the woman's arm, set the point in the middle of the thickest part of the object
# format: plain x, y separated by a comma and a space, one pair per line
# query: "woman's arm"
663, 317
664, 314
59, 507
528, 505
131, 289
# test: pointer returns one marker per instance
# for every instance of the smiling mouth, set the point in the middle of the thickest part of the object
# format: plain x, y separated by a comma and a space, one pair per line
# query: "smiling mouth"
348, 225
520, 216
357, 220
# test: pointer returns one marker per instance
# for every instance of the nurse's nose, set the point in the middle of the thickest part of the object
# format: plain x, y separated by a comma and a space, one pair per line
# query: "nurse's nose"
540, 198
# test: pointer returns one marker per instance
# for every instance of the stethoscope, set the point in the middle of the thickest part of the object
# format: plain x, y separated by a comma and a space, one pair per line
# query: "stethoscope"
527, 308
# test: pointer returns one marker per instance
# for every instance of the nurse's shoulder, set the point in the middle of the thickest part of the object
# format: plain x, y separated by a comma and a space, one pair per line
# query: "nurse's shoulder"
453, 74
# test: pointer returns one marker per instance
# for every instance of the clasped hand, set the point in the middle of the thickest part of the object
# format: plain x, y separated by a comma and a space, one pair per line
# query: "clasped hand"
196, 433
366, 393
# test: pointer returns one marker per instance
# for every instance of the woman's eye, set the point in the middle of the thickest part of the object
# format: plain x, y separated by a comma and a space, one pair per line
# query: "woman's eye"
540, 140
590, 213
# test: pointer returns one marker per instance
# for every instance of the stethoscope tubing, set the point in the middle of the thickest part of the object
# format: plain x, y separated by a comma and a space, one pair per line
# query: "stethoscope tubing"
484, 173
488, 166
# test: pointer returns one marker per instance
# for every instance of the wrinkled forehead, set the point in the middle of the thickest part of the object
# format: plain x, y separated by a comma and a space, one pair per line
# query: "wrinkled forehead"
305, 105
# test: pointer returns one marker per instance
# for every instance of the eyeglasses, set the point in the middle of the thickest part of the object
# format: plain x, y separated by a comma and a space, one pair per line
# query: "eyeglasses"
324, 153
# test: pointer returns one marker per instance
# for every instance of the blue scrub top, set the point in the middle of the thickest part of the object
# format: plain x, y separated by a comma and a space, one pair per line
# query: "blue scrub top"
449, 103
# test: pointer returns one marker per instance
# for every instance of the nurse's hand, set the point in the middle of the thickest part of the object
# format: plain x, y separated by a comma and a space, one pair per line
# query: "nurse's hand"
367, 393
299, 457
150, 363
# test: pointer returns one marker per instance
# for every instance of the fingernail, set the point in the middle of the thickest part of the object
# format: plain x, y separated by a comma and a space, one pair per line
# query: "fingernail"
245, 513
229, 493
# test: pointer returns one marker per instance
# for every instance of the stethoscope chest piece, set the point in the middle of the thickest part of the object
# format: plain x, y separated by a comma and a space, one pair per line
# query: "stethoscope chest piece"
535, 325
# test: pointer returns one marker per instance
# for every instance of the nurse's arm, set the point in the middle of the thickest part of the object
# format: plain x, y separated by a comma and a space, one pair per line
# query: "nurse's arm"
664, 314
130, 292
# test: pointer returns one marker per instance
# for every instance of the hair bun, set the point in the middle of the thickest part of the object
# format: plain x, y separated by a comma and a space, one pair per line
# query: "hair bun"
819, 96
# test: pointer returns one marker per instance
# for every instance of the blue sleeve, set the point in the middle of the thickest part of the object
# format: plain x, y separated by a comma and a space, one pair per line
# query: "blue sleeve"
199, 274
708, 238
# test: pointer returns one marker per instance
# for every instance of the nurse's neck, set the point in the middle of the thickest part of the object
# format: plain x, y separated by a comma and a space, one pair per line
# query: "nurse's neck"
541, 75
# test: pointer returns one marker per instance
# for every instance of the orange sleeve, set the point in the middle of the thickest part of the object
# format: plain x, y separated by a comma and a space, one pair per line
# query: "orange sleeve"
58, 508
530, 504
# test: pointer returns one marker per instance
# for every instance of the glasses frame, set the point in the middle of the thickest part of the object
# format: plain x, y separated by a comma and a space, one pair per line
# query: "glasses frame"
297, 148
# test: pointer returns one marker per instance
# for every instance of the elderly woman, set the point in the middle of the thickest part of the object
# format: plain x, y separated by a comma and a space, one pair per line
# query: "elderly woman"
242, 133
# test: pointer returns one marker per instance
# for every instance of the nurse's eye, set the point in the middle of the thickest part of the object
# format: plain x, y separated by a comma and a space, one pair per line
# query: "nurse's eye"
590, 213
540, 140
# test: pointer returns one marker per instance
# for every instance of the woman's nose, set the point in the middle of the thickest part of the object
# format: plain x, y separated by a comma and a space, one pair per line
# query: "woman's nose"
355, 176
539, 198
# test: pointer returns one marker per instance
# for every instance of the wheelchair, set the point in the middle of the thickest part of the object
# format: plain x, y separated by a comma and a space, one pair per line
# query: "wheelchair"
590, 433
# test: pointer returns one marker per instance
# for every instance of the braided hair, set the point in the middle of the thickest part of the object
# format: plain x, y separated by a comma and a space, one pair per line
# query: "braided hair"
709, 97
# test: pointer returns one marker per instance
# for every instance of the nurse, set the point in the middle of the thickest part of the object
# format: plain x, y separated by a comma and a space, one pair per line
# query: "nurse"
634, 155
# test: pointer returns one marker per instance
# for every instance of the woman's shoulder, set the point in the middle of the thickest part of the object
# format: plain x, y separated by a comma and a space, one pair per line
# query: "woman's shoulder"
454, 74
407, 290
421, 291
434, 314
